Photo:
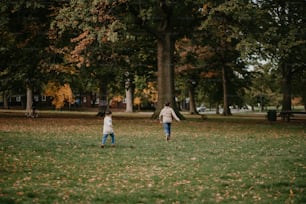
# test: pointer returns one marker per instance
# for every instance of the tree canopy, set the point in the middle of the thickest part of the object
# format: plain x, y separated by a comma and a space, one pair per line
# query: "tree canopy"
201, 50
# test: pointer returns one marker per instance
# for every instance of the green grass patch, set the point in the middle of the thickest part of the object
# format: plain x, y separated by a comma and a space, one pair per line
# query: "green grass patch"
57, 159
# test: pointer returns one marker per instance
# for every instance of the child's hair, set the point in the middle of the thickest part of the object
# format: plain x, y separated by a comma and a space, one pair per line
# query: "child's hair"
167, 104
108, 112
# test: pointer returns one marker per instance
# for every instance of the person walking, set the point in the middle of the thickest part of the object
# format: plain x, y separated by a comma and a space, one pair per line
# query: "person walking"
108, 129
166, 115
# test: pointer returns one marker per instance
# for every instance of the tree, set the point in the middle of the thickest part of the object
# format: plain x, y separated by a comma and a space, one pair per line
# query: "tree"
8, 47
166, 21
141, 57
109, 22
101, 41
189, 67
25, 25
60, 94
265, 87
224, 33
299, 84
281, 32
90, 28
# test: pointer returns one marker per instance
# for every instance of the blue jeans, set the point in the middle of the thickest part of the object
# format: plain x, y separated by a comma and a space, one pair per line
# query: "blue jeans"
167, 129
105, 137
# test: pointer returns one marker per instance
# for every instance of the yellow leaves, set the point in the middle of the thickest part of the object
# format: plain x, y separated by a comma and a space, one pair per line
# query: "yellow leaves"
60, 157
80, 37
60, 94
117, 98
73, 55
50, 89
59, 68
83, 40
137, 100
205, 8
150, 93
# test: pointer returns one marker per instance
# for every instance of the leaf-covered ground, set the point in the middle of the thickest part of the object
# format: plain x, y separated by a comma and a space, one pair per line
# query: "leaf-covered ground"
56, 159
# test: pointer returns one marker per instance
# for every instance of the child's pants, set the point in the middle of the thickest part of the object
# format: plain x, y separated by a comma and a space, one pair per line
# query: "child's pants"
105, 137
167, 129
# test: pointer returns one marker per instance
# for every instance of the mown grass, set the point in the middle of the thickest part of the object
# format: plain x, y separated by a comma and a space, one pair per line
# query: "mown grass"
57, 159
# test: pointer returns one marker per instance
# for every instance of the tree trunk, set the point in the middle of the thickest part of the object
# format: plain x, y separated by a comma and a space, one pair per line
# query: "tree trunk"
192, 104
5, 102
103, 102
262, 105
93, 99
226, 110
217, 109
165, 79
29, 100
129, 99
287, 89
88, 99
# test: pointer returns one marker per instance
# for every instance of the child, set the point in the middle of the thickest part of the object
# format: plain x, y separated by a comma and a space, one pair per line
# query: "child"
165, 117
108, 129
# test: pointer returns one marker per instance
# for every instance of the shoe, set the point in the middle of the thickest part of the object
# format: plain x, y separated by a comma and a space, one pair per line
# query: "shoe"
102, 146
113, 145
168, 138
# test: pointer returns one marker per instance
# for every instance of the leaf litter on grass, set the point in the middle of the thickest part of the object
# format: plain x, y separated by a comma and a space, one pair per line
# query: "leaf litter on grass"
58, 160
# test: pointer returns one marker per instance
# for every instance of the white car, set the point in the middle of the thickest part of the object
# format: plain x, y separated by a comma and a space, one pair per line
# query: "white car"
201, 109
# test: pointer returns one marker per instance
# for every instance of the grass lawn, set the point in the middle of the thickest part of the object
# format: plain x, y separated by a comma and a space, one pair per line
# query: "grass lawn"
57, 159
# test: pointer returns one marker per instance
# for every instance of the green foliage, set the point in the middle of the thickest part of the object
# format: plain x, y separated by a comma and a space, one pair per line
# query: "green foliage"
81, 42
281, 36
222, 34
24, 25
57, 158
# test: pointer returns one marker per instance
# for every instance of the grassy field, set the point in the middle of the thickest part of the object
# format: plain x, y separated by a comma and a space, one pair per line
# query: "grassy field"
244, 159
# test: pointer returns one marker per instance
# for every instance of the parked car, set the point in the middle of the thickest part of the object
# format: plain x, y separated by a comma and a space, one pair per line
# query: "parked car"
201, 109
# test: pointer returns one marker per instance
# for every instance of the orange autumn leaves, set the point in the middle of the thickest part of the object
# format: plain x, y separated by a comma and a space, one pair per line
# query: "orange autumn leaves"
59, 93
